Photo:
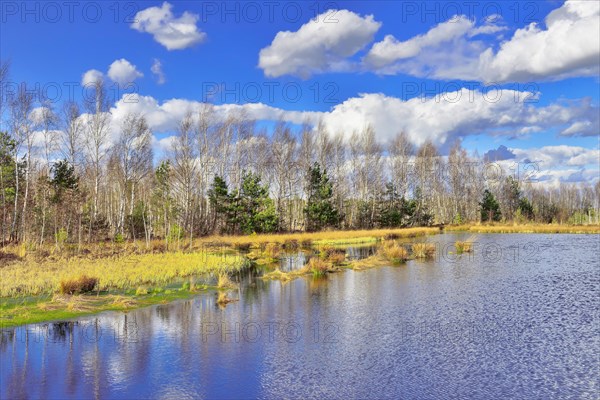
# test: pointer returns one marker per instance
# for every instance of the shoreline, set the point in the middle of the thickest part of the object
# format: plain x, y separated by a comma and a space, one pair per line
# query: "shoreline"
51, 306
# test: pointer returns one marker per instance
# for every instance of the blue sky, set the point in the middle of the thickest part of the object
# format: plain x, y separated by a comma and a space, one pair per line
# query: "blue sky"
394, 52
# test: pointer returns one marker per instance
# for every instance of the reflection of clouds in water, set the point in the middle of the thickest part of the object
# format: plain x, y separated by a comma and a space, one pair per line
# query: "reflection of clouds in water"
420, 330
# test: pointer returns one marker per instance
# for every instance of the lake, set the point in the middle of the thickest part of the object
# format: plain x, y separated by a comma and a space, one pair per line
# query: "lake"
517, 318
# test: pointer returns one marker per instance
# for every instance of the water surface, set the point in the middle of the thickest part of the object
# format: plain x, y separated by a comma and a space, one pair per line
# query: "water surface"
516, 319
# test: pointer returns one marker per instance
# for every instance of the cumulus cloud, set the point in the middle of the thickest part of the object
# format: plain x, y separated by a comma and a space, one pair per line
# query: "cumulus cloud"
158, 71
122, 72
559, 156
441, 121
443, 47
90, 77
174, 33
455, 114
552, 165
499, 154
568, 46
164, 117
322, 44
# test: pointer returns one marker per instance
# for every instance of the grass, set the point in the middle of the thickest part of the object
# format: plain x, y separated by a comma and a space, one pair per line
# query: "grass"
374, 261
333, 255
322, 238
27, 278
394, 252
223, 299
423, 250
30, 310
318, 267
45, 283
525, 228
83, 284
465, 246
224, 282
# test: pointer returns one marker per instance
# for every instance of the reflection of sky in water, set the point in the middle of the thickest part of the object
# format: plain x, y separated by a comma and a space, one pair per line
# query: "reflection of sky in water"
522, 326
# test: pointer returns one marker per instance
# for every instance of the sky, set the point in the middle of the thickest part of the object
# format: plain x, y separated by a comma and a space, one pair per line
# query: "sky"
517, 82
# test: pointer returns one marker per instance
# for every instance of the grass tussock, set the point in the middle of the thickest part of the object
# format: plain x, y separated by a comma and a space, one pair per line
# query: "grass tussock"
223, 299
224, 282
423, 250
82, 284
333, 255
465, 246
318, 267
394, 252
370, 262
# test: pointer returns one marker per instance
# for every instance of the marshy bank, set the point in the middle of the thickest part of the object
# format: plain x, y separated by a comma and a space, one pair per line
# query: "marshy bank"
40, 284
46, 283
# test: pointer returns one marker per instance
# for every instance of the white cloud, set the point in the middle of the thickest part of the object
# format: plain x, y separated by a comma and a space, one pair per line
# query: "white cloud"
553, 165
174, 33
90, 77
158, 71
320, 45
123, 72
164, 117
437, 39
455, 114
559, 156
568, 46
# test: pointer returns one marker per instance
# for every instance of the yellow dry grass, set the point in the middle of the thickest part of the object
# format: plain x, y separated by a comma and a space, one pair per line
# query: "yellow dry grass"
322, 238
526, 228
125, 272
394, 252
423, 250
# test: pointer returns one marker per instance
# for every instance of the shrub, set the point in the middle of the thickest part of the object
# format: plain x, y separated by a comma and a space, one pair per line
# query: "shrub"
119, 238
61, 237
83, 284
423, 250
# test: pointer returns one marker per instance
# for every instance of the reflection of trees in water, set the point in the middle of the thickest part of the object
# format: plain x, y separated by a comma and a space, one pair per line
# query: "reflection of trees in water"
360, 252
7, 336
58, 331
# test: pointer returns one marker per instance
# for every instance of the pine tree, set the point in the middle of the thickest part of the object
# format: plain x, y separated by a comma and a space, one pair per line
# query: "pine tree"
320, 210
490, 209
257, 210
394, 211
220, 201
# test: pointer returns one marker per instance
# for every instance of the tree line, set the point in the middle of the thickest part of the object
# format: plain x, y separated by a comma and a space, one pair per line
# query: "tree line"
66, 174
